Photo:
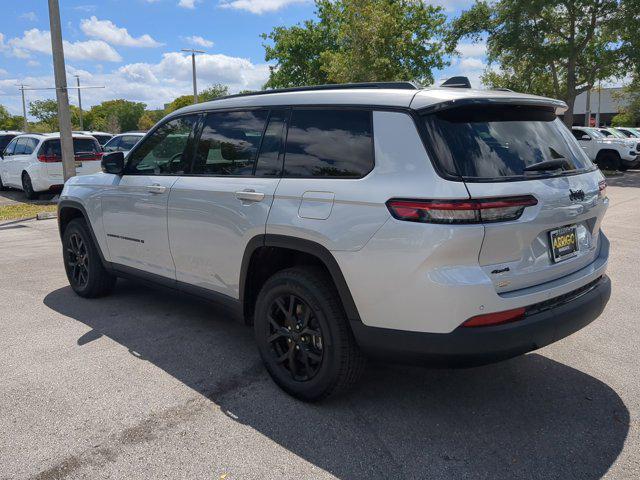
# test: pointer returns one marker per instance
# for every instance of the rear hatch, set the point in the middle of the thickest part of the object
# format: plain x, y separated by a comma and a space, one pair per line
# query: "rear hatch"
87, 153
524, 155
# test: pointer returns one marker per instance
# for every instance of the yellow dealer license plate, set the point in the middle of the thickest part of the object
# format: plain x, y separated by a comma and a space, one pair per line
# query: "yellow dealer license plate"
564, 243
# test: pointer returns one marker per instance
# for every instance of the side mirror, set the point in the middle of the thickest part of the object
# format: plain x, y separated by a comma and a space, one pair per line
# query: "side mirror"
585, 137
113, 163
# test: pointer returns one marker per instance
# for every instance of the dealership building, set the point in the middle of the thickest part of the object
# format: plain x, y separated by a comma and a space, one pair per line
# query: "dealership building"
605, 104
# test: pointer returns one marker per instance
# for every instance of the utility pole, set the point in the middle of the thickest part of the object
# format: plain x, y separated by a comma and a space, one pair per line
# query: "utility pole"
193, 67
587, 113
64, 114
79, 101
599, 98
24, 108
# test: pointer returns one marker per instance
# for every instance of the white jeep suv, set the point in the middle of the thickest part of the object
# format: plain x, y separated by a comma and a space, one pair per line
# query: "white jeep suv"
32, 162
442, 225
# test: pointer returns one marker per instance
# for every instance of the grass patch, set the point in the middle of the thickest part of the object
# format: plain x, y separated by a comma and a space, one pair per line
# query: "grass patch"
23, 210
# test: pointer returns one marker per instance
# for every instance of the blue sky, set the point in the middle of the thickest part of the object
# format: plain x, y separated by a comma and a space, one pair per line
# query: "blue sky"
132, 47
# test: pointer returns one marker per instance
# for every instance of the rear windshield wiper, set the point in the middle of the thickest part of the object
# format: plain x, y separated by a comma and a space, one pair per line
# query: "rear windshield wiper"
556, 164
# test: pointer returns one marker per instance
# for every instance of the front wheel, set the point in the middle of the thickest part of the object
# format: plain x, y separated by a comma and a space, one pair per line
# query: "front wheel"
85, 271
609, 161
303, 335
27, 187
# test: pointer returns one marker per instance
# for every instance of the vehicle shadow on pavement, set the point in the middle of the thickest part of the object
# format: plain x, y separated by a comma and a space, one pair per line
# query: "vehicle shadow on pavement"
630, 178
529, 417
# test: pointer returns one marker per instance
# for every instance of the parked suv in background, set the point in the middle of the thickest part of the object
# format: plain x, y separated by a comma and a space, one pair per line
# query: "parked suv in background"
123, 142
5, 137
442, 225
32, 162
629, 132
101, 137
608, 152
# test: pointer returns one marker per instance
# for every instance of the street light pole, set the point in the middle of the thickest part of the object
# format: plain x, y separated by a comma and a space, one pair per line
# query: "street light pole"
24, 108
64, 115
79, 101
193, 69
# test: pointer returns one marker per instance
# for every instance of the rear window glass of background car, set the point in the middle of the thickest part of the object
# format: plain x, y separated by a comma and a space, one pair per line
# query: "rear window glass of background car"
127, 142
80, 145
269, 162
494, 142
329, 143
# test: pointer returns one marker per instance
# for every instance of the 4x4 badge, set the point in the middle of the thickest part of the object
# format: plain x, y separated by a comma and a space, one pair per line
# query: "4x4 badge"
576, 195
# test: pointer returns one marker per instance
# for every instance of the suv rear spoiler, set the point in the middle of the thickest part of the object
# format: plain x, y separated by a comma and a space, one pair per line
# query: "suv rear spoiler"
430, 104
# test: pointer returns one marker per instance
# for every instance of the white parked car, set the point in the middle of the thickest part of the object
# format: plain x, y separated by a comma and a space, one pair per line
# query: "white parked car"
629, 132
102, 137
447, 224
123, 142
32, 162
608, 152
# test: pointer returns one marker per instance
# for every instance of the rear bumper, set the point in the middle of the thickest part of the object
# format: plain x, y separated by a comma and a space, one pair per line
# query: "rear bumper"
548, 323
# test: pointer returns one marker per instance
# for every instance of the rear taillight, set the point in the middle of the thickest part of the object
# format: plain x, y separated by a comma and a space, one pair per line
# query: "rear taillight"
496, 318
49, 158
602, 189
460, 211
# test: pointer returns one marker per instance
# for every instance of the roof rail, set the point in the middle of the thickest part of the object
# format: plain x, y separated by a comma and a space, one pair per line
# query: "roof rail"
405, 85
457, 82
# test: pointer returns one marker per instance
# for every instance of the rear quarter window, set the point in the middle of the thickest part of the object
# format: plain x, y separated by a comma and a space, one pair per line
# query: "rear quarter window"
492, 142
336, 143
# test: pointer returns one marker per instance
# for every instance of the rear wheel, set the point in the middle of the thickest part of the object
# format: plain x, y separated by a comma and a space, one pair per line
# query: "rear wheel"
85, 271
609, 161
2, 187
303, 335
27, 187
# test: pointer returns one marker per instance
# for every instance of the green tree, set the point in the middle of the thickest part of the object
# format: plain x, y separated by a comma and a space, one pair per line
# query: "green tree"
149, 118
115, 116
8, 121
46, 111
567, 45
629, 115
210, 93
359, 41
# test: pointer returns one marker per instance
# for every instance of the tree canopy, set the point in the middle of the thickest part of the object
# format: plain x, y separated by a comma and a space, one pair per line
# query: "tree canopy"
553, 47
210, 93
359, 41
8, 121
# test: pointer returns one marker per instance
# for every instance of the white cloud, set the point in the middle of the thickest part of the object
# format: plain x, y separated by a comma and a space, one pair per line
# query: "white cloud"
85, 8
109, 32
30, 16
33, 63
190, 4
472, 49
3, 72
199, 41
39, 41
258, 6
472, 63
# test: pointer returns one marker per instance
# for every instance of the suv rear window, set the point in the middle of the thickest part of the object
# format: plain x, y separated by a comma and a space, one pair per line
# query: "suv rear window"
80, 145
329, 143
496, 142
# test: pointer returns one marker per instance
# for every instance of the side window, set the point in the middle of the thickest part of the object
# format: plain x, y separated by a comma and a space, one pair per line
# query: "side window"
31, 144
229, 143
578, 134
20, 146
165, 151
127, 143
112, 145
4, 141
10, 148
269, 162
329, 143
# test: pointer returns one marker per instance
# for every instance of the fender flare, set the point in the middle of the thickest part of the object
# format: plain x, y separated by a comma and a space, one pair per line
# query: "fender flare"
306, 246
62, 204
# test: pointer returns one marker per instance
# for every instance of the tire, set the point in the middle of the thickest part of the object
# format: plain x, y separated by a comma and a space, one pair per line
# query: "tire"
27, 187
85, 271
2, 187
609, 161
299, 315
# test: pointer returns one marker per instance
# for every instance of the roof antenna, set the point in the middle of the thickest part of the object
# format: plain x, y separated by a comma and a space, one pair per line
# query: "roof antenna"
457, 82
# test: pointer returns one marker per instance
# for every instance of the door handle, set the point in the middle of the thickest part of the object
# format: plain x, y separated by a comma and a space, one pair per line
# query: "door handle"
250, 196
156, 188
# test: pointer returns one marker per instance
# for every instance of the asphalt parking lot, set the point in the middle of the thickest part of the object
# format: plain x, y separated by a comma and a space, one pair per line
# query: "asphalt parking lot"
154, 384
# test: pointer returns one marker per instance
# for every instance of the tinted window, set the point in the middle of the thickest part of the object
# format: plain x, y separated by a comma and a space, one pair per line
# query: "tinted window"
80, 145
493, 142
578, 134
10, 148
164, 152
4, 141
112, 145
21, 147
229, 143
127, 142
270, 160
329, 143
102, 139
